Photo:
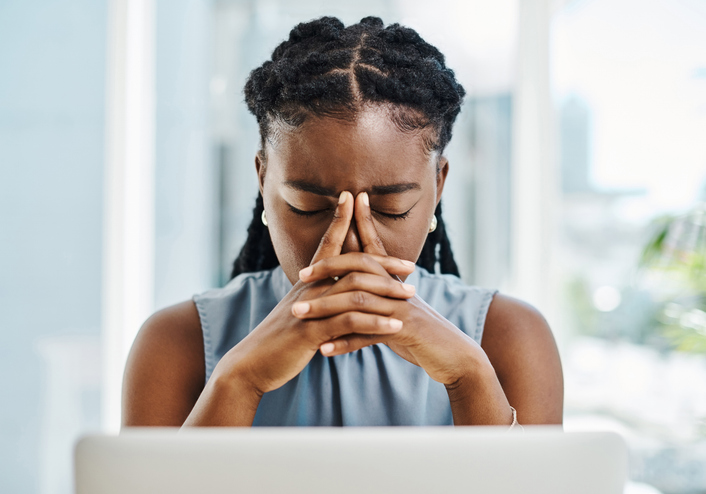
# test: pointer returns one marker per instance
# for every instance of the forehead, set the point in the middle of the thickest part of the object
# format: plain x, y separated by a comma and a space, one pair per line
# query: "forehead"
352, 155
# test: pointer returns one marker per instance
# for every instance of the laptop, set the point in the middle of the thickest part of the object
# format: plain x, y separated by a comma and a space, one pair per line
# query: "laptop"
416, 460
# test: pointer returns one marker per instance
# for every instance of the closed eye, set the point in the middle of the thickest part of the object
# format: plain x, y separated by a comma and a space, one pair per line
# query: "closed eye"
306, 213
301, 212
400, 216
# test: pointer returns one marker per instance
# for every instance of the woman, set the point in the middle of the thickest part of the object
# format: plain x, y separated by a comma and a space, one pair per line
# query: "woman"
328, 321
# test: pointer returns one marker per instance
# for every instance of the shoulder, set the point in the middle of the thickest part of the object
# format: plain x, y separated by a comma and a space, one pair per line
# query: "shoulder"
175, 325
165, 372
509, 319
521, 347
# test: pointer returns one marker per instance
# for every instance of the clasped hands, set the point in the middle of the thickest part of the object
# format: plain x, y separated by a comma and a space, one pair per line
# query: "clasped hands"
364, 307
373, 305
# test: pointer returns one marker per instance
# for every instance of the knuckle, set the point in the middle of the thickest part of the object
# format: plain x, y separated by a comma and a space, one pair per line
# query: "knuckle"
363, 261
354, 278
359, 299
365, 257
349, 319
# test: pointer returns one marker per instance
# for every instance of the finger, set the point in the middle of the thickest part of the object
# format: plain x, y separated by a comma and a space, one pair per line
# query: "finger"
384, 286
332, 241
351, 343
368, 234
353, 322
356, 261
339, 303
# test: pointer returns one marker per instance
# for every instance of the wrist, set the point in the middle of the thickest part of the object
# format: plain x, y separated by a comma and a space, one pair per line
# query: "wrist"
476, 371
234, 383
225, 401
477, 398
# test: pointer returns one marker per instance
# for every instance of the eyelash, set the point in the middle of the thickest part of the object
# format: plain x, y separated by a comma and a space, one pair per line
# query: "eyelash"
400, 216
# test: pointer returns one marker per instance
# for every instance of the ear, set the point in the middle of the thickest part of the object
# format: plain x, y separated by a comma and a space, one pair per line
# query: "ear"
260, 168
443, 171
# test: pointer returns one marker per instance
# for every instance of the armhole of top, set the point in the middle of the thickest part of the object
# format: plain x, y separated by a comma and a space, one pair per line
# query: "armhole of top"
483, 314
208, 349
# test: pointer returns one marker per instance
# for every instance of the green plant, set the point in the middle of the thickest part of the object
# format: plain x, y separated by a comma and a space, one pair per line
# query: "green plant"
674, 262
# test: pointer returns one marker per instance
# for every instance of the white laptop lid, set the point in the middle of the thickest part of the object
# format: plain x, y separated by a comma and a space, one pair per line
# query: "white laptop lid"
351, 460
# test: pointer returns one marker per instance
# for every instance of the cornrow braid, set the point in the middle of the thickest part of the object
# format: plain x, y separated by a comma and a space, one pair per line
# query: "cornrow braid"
437, 249
258, 252
328, 69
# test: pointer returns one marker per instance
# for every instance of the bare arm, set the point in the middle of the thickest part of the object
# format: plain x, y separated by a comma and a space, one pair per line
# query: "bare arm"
165, 371
518, 366
522, 350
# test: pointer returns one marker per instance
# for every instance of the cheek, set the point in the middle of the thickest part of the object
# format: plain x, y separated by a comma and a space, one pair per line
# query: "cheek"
294, 241
404, 238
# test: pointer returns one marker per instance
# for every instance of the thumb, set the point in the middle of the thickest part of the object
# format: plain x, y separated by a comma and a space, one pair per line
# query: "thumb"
332, 241
372, 243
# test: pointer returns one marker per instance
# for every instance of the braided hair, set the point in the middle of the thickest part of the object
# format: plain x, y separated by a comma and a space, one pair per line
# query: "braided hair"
327, 69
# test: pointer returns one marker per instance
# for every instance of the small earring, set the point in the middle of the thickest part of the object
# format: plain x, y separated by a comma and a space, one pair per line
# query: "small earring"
264, 218
434, 222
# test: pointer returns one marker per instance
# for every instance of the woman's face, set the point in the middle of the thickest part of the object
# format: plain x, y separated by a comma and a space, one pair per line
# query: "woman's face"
308, 167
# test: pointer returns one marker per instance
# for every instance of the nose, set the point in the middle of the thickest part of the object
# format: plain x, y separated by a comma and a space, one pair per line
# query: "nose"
352, 242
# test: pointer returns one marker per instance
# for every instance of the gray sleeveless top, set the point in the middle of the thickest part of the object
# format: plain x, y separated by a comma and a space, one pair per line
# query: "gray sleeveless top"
371, 386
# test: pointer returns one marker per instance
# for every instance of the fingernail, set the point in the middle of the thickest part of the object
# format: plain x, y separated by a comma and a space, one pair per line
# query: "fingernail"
342, 198
327, 347
366, 199
408, 288
409, 264
395, 324
306, 272
301, 308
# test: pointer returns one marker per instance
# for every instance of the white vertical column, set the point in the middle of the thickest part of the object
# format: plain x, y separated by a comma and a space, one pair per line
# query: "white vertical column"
128, 238
534, 176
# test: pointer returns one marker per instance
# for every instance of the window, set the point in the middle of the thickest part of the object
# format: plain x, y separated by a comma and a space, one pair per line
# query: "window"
629, 81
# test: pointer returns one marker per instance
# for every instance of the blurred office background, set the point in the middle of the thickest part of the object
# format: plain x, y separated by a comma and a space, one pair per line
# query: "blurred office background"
577, 182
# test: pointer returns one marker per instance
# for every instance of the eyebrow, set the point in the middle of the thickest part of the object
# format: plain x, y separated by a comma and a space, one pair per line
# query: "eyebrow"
378, 190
